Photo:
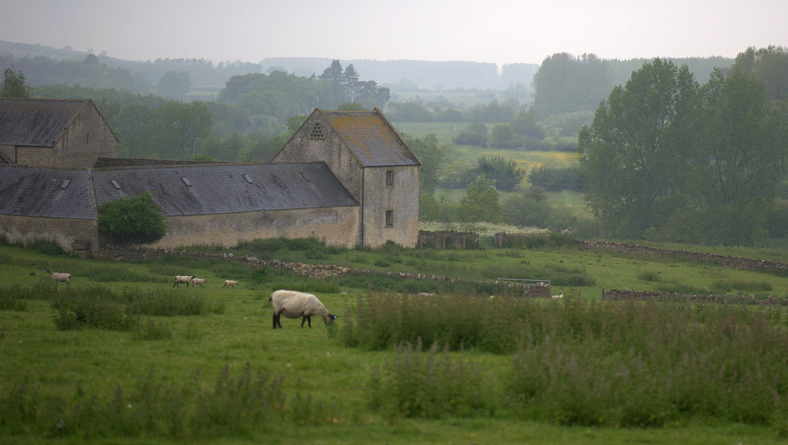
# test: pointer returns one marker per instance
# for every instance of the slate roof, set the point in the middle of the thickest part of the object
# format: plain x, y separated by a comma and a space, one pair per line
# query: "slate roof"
371, 137
220, 189
30, 191
36, 122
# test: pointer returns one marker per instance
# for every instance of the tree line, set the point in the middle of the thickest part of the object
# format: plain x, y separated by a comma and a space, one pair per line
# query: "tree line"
670, 159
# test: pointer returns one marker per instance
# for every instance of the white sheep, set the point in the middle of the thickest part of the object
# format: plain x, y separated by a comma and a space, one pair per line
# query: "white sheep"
199, 282
294, 304
558, 297
230, 283
182, 279
58, 277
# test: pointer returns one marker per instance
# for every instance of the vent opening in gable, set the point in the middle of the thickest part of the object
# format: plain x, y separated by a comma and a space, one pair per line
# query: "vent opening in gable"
317, 131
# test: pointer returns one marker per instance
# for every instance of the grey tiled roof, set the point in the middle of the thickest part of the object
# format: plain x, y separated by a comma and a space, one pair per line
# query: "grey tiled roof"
35, 122
29, 191
223, 189
371, 138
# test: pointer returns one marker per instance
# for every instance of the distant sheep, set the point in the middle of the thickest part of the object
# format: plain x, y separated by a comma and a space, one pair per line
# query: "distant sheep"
230, 283
199, 282
426, 294
182, 279
59, 277
294, 304
558, 297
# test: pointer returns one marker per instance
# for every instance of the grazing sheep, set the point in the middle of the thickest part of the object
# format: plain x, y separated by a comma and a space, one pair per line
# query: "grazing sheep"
558, 297
182, 279
230, 283
199, 282
294, 304
58, 277
426, 294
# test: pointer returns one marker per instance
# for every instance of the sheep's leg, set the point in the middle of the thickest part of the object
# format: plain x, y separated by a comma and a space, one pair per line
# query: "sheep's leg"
308, 319
275, 320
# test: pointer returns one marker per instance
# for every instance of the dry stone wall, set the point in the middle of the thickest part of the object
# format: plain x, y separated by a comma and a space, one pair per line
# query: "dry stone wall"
734, 262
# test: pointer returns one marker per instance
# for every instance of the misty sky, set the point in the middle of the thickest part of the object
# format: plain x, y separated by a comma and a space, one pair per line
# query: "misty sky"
498, 31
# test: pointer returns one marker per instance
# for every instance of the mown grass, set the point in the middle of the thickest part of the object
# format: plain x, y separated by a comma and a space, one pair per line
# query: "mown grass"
57, 365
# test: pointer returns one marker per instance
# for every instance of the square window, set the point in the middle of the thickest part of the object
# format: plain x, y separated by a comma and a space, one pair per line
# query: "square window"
390, 178
389, 218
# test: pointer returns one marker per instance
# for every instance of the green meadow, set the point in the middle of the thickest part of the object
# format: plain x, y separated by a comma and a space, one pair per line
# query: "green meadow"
120, 356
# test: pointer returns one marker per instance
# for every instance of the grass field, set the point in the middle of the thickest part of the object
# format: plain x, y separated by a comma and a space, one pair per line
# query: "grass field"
78, 364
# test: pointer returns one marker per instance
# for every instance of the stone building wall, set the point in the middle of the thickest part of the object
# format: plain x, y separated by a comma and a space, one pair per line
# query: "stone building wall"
86, 139
69, 234
330, 149
402, 199
338, 226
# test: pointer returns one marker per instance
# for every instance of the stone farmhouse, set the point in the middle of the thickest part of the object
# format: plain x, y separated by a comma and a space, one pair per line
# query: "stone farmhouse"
345, 177
54, 133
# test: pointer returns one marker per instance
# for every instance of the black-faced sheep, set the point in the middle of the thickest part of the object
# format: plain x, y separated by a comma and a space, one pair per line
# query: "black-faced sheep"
58, 277
199, 282
230, 283
182, 279
293, 304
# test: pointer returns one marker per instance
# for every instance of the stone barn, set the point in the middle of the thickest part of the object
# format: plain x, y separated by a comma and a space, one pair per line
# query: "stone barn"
356, 183
374, 164
54, 133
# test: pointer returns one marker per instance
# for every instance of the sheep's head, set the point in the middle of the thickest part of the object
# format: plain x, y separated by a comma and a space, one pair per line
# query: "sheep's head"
331, 318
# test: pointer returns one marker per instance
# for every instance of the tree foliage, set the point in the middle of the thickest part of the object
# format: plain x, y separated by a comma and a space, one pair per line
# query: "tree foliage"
480, 202
14, 84
669, 159
431, 153
132, 220
565, 83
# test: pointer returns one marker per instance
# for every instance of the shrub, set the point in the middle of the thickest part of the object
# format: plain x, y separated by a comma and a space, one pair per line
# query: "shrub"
132, 220
470, 138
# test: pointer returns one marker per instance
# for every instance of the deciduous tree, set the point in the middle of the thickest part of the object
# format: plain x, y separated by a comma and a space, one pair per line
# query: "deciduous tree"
633, 152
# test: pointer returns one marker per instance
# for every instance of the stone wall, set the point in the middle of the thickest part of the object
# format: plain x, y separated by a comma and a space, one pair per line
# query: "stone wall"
734, 262
666, 297
338, 226
402, 199
69, 234
86, 139
330, 149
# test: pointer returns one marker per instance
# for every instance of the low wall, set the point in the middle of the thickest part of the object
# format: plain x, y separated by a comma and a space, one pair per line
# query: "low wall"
448, 239
666, 297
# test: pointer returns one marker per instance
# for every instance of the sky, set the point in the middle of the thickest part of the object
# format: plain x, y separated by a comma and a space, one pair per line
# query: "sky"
493, 31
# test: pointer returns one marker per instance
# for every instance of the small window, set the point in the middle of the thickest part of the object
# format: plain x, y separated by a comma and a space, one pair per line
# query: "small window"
390, 178
87, 139
305, 176
248, 179
389, 218
65, 183
115, 184
317, 131
186, 181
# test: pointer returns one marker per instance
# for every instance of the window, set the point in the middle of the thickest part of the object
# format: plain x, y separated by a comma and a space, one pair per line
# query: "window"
65, 183
390, 178
305, 176
248, 179
87, 139
115, 184
186, 181
317, 131
389, 218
